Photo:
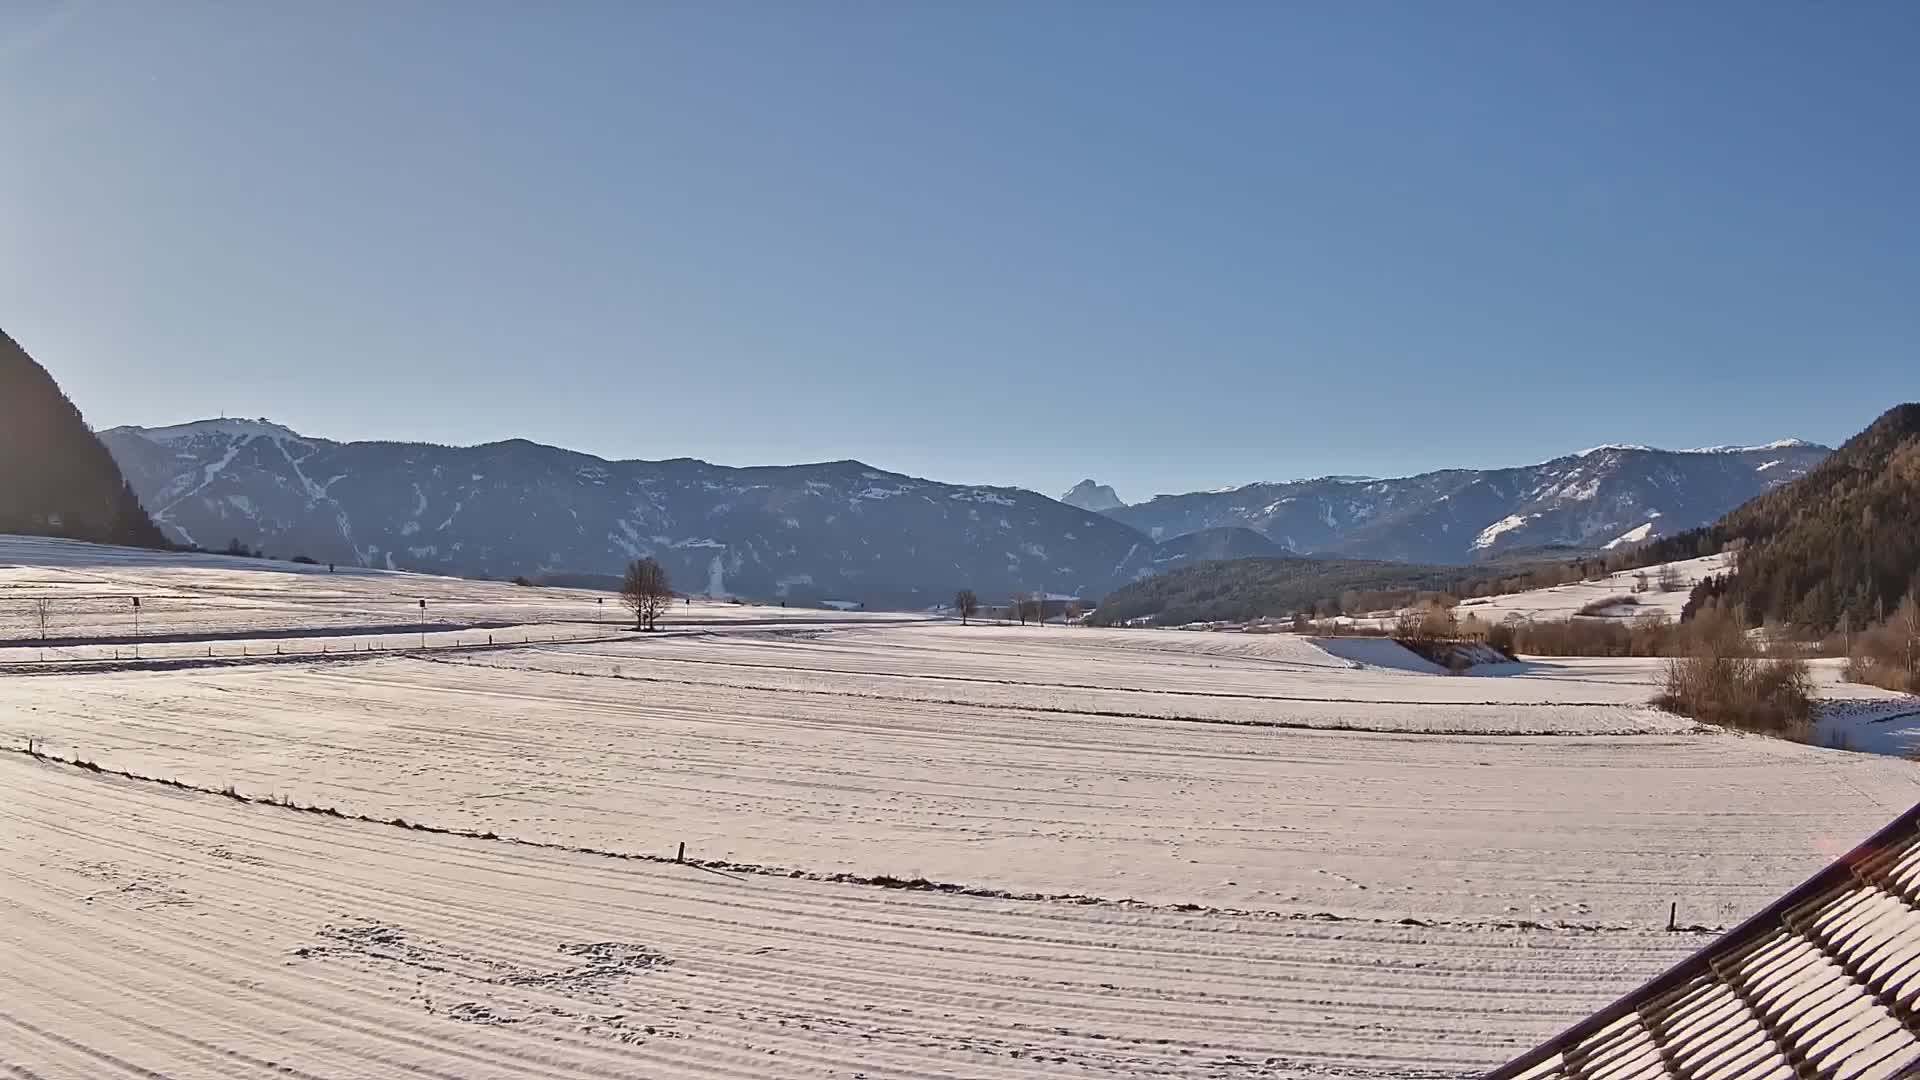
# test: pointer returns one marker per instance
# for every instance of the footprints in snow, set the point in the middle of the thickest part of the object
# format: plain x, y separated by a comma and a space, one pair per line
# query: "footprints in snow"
515, 992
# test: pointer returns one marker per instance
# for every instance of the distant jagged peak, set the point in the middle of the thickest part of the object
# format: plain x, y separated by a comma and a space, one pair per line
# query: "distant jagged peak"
1092, 496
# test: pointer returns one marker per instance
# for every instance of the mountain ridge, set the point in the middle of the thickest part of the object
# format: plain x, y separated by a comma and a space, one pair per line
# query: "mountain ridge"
807, 533
846, 529
1603, 497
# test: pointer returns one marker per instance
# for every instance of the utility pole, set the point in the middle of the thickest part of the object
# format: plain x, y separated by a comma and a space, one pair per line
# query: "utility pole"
423, 624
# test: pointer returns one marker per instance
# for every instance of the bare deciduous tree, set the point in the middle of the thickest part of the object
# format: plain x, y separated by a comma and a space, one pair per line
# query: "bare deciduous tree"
1734, 550
1669, 578
1907, 618
42, 610
646, 591
966, 604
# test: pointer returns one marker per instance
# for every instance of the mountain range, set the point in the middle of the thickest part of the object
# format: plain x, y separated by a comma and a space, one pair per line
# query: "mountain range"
846, 530
1602, 498
835, 530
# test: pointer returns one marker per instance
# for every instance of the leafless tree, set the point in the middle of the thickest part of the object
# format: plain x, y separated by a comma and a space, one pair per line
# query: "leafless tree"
1907, 619
1021, 605
42, 611
645, 591
966, 604
1072, 612
1669, 578
1734, 550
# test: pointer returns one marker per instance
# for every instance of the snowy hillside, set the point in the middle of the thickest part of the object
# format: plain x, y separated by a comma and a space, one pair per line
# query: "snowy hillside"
1603, 497
1567, 601
838, 530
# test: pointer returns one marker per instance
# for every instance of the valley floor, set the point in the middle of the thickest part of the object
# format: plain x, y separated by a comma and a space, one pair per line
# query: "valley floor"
1097, 853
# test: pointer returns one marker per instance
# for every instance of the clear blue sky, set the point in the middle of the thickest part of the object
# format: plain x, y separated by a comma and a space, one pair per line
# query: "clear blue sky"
1171, 246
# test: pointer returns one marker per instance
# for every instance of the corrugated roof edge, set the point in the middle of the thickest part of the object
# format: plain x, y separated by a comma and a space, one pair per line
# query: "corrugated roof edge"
1762, 923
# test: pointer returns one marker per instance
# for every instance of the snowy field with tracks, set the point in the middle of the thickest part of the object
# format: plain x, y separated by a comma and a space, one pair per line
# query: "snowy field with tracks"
913, 849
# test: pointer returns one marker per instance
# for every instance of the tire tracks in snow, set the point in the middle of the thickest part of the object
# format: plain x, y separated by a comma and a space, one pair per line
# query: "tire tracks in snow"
883, 881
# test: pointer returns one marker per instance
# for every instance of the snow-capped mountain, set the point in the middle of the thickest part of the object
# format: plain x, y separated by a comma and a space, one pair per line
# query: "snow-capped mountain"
844, 530
1606, 496
1088, 495
836, 530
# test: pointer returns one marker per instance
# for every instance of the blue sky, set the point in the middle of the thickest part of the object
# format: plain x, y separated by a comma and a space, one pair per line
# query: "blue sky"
1168, 246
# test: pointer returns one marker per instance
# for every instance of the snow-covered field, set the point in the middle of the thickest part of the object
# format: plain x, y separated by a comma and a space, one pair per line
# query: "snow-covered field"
1169, 855
190, 604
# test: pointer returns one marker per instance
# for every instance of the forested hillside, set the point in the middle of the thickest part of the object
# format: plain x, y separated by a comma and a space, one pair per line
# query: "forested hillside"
1841, 544
56, 479
1240, 589
1838, 546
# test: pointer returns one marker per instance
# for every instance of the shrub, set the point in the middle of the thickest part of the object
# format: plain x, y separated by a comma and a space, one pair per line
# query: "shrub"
1669, 578
1599, 607
1647, 635
1340, 629
1501, 637
521, 580
1652, 635
1718, 680
305, 560
1566, 637
1768, 696
1433, 622
1875, 671
1888, 655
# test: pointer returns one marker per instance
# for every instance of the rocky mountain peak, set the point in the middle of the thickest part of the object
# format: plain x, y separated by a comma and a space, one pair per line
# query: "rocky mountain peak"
1089, 495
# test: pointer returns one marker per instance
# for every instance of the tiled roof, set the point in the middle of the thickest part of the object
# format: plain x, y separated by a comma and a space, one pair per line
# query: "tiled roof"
1824, 983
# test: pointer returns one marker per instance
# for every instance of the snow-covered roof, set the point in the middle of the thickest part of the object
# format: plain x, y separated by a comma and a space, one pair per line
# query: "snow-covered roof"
1821, 983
